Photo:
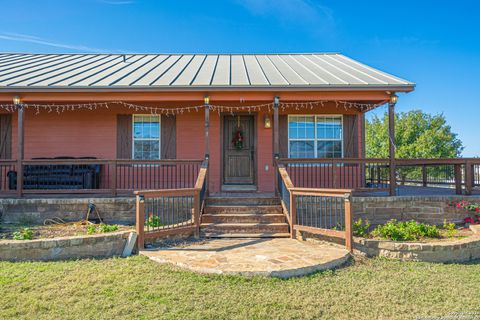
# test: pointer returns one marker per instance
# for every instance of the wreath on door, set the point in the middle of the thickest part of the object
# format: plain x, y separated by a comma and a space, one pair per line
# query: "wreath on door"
237, 140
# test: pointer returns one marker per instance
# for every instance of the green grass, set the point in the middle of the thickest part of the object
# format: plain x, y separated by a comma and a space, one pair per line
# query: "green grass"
139, 288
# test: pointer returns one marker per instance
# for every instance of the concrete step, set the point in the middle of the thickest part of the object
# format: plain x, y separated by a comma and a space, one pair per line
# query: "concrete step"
242, 201
243, 209
250, 228
244, 235
243, 218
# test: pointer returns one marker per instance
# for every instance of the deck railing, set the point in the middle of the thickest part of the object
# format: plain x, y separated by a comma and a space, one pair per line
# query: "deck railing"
316, 210
96, 176
171, 211
372, 175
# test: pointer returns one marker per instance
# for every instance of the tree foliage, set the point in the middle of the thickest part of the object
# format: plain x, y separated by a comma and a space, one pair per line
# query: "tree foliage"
417, 135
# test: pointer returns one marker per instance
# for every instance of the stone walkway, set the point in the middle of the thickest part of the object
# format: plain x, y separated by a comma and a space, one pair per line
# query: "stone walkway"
282, 258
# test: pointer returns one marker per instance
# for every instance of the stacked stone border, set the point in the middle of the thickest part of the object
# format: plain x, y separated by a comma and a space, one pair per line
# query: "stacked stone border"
64, 248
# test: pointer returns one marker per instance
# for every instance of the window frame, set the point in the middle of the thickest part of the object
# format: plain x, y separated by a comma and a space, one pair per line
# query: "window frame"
147, 139
316, 139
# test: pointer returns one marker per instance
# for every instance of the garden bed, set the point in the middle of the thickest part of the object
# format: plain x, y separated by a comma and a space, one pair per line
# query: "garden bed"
19, 231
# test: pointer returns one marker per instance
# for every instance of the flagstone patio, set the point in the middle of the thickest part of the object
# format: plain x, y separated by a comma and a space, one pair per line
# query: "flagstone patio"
278, 257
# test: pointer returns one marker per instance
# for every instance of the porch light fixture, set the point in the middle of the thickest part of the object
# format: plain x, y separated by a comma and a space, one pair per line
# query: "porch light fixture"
393, 98
266, 121
206, 99
17, 100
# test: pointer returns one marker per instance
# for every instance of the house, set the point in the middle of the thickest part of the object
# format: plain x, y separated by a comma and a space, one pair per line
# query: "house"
197, 125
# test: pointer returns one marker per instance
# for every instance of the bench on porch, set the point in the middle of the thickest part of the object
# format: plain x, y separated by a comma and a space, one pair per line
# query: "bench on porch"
58, 176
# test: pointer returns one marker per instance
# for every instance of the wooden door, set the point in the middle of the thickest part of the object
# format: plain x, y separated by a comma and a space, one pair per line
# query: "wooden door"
238, 159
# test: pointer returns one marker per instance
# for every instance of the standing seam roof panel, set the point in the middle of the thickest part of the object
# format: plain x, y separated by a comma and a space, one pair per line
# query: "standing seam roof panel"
221, 76
205, 74
254, 71
21, 59
273, 75
157, 71
355, 72
291, 75
51, 78
31, 64
168, 77
142, 71
41, 74
120, 73
188, 75
239, 72
71, 81
305, 73
328, 76
347, 77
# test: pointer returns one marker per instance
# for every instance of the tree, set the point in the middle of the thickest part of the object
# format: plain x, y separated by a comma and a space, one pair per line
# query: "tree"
417, 135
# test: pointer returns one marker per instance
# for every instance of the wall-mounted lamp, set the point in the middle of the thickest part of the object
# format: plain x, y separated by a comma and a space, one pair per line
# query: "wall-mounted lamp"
17, 100
266, 121
206, 99
393, 98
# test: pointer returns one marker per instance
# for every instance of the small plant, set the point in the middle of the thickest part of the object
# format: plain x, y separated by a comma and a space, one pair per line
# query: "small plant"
23, 234
91, 229
470, 220
360, 229
450, 228
470, 206
153, 221
108, 227
405, 231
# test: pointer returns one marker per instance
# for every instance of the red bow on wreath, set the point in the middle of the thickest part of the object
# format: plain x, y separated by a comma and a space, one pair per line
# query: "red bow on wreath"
237, 140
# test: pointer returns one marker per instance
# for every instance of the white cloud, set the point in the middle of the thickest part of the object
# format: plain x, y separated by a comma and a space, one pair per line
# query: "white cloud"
34, 39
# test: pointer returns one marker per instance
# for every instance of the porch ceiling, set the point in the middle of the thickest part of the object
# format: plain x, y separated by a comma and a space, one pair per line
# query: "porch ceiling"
191, 72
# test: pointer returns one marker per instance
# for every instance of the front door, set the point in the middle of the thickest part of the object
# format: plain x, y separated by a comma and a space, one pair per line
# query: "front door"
238, 149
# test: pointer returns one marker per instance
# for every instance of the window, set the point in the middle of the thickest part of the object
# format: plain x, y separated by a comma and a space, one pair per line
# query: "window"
315, 136
146, 137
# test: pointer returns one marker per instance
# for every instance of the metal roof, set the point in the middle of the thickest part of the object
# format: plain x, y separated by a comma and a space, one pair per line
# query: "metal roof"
312, 71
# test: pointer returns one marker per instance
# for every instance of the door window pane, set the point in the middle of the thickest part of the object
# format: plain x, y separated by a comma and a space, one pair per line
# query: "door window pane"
146, 137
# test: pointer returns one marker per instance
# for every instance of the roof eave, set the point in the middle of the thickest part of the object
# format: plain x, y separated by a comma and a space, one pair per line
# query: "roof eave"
394, 88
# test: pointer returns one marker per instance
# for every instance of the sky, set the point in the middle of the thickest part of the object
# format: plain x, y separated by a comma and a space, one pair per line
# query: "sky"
435, 44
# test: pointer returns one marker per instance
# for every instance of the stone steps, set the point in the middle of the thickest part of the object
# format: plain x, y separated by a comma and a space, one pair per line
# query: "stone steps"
243, 216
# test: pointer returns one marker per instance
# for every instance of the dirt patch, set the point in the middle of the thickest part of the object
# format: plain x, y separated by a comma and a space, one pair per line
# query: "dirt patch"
54, 230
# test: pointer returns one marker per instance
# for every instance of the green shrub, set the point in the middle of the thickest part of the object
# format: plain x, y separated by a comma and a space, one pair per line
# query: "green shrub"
91, 229
108, 227
405, 231
450, 228
360, 229
153, 221
23, 234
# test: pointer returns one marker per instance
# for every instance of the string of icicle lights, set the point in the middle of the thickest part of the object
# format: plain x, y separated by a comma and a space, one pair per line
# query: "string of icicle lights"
60, 108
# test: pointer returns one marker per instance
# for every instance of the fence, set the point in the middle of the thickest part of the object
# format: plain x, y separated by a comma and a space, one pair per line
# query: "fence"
171, 211
315, 210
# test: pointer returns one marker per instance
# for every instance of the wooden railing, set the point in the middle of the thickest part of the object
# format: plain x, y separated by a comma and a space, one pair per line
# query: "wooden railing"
316, 210
171, 211
461, 174
96, 176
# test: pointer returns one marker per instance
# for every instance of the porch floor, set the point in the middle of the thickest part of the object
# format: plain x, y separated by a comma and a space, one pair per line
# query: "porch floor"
415, 191
281, 258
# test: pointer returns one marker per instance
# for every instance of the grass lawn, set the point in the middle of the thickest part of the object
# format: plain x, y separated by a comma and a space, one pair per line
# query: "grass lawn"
139, 288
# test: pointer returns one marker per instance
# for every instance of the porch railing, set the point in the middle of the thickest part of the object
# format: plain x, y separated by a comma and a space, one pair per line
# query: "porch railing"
171, 211
316, 210
460, 174
96, 176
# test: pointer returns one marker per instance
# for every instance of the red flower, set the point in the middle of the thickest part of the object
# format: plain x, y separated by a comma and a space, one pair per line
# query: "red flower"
468, 220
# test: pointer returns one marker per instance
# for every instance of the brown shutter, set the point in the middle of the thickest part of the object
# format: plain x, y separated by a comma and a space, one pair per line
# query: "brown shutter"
283, 135
350, 136
124, 136
5, 136
168, 137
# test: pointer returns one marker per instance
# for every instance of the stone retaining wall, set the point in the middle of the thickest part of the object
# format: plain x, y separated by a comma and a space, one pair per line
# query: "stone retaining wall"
427, 209
78, 247
34, 211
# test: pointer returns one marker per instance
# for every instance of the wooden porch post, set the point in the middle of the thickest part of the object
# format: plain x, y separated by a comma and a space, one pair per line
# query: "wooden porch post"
20, 145
207, 126
276, 141
391, 138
